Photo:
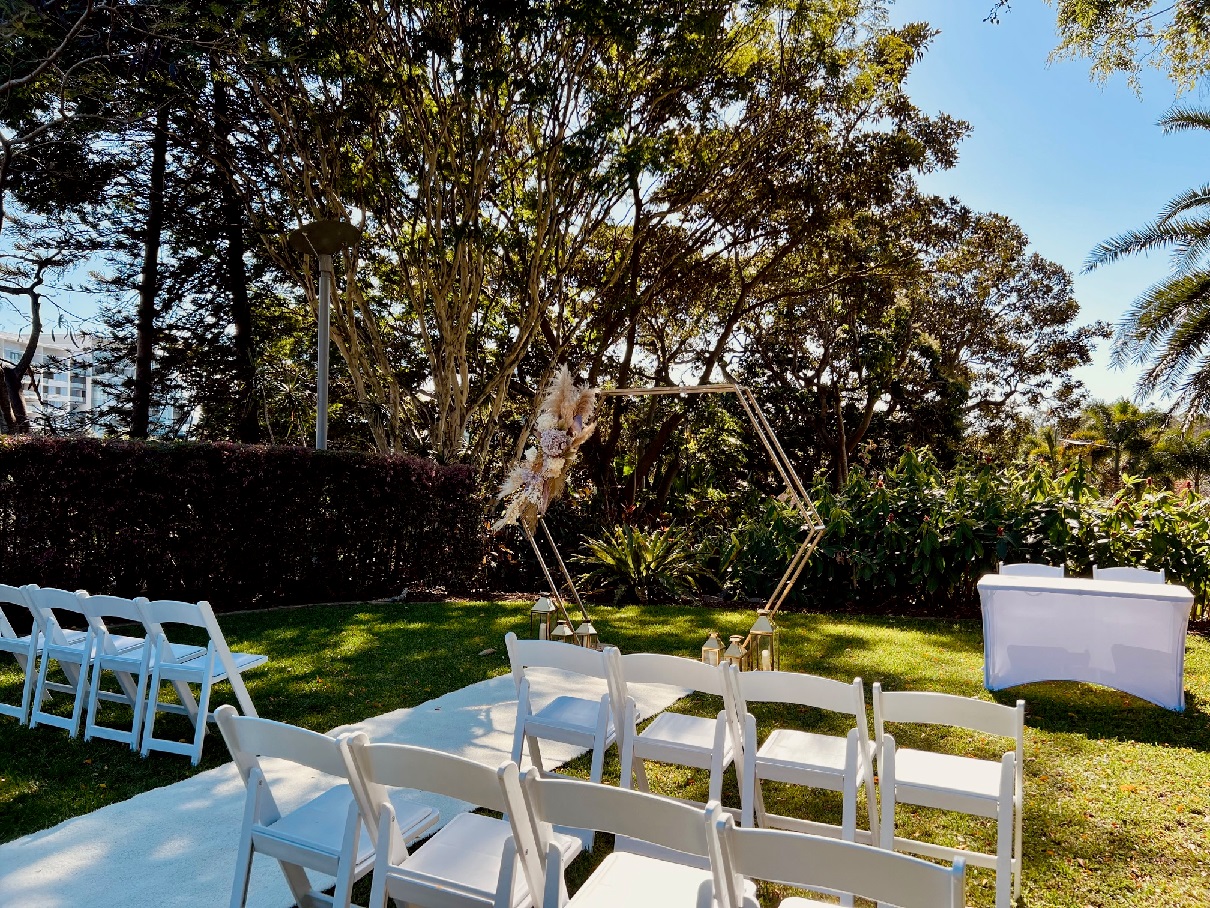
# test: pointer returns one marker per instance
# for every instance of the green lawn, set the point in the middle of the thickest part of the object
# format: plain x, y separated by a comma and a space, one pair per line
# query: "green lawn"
1117, 790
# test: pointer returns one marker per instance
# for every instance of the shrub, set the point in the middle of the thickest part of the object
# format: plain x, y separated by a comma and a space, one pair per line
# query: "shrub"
238, 525
639, 565
918, 538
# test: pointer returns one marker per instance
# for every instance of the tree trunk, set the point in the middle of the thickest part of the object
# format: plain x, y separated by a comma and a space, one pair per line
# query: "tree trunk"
140, 407
247, 425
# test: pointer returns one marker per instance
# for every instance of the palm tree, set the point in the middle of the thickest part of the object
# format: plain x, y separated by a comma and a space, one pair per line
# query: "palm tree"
1121, 434
1185, 454
1044, 444
1167, 330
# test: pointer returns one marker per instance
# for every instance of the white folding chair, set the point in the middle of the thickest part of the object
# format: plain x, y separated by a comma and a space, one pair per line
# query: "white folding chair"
73, 653
1128, 574
673, 737
189, 665
474, 860
843, 764
1028, 569
130, 666
325, 834
662, 858
985, 788
570, 720
827, 866
23, 647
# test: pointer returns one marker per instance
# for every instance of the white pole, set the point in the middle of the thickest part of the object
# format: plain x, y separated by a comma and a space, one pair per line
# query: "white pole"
321, 395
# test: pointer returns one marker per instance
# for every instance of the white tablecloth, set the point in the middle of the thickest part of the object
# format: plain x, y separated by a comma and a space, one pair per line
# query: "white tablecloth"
1128, 636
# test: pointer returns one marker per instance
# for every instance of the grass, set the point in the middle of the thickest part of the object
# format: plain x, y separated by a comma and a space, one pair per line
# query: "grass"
1117, 790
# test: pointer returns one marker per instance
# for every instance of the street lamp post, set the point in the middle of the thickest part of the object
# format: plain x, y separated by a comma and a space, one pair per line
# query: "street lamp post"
323, 239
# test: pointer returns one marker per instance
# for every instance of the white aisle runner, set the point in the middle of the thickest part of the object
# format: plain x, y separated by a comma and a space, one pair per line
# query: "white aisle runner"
175, 846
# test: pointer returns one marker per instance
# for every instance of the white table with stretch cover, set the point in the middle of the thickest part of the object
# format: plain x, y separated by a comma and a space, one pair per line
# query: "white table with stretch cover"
1128, 636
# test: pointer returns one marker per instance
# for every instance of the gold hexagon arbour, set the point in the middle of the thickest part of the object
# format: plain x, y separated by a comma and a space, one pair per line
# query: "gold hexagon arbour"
795, 494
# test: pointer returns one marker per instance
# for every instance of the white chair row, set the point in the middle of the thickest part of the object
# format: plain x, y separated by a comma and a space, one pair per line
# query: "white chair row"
845, 764
1129, 574
140, 665
687, 856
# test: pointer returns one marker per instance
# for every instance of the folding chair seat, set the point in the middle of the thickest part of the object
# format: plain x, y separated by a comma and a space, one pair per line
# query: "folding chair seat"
1028, 569
802, 757
191, 665
1128, 574
825, 865
325, 834
984, 788
23, 647
661, 856
73, 653
671, 737
474, 860
570, 720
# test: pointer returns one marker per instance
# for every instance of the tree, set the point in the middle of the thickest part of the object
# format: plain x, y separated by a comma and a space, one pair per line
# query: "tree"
1120, 438
1126, 35
1167, 329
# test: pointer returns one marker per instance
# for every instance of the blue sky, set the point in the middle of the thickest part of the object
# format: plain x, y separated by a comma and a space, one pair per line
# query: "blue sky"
1073, 162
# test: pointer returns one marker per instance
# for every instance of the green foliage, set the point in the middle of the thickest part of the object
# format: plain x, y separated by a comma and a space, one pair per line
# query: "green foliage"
920, 537
638, 565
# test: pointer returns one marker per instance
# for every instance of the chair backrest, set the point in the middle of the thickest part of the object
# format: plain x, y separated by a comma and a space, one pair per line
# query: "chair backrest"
97, 608
818, 863
620, 811
656, 668
1128, 574
1028, 569
249, 738
951, 710
46, 602
523, 654
14, 595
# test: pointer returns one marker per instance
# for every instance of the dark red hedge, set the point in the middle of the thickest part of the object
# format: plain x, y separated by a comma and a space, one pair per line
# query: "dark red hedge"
239, 525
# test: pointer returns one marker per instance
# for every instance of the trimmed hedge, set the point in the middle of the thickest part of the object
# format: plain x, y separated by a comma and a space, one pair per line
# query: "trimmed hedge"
239, 525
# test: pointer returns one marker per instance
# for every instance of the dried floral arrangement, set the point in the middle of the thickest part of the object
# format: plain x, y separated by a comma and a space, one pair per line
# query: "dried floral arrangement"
564, 423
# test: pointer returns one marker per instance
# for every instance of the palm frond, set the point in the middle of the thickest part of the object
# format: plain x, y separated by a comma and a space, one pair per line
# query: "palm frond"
1180, 118
1181, 233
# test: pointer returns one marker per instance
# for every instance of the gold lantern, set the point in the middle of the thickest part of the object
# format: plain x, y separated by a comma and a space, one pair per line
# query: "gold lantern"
712, 649
736, 654
542, 619
766, 653
586, 636
563, 633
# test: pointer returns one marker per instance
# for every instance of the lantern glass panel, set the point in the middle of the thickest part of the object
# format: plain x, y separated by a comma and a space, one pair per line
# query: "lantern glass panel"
736, 654
586, 636
764, 653
542, 619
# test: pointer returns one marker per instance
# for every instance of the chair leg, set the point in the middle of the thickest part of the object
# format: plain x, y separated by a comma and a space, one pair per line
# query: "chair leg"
886, 791
342, 895
243, 857
626, 759
199, 730
1005, 828
77, 708
27, 689
39, 691
535, 753
153, 704
90, 717
597, 768
1018, 809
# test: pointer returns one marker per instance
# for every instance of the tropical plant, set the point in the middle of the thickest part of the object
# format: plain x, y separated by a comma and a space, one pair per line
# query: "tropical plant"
638, 565
1167, 329
1119, 437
